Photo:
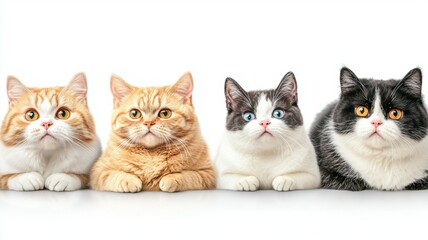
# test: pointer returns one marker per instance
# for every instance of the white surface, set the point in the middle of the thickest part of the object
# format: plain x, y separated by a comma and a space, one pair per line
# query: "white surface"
45, 43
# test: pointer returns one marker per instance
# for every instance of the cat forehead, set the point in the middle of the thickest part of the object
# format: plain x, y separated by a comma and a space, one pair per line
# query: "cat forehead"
44, 97
264, 105
151, 97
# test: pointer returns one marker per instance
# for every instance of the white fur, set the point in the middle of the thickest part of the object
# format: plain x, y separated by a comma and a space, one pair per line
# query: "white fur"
247, 161
390, 161
49, 158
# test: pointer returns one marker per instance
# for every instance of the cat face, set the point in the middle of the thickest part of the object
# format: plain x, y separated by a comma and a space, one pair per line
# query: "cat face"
263, 117
153, 116
381, 114
47, 118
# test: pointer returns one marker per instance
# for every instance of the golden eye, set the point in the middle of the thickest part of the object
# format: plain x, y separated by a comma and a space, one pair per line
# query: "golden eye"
31, 115
361, 111
63, 114
135, 114
165, 113
395, 114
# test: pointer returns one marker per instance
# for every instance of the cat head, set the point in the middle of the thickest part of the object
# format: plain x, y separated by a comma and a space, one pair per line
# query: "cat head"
263, 117
153, 116
47, 118
380, 113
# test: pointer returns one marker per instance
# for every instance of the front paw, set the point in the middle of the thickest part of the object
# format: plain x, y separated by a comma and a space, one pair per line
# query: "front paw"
61, 182
168, 184
249, 183
31, 181
283, 183
124, 182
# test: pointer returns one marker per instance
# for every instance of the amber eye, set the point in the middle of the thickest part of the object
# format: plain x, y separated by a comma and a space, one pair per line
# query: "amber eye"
63, 114
135, 114
395, 114
165, 113
31, 115
361, 111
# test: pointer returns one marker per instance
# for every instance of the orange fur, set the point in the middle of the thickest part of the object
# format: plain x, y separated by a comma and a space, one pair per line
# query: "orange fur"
5, 178
84, 179
14, 123
179, 161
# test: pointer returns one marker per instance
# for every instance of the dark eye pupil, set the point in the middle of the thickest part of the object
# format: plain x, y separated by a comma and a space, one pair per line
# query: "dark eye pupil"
362, 110
395, 113
62, 113
134, 113
31, 115
165, 113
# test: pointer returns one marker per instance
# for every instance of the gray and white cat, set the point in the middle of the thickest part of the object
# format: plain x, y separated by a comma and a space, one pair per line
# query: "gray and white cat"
265, 145
374, 136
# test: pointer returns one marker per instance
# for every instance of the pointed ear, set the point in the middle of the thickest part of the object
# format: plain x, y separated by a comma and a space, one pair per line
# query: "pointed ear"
78, 85
235, 94
348, 81
15, 88
412, 82
184, 87
287, 88
119, 88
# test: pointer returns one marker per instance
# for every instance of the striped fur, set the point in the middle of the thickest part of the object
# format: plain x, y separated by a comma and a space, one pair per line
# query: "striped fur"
172, 157
56, 157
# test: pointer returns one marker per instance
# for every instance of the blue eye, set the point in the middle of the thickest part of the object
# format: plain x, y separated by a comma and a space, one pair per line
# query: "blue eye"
278, 113
249, 116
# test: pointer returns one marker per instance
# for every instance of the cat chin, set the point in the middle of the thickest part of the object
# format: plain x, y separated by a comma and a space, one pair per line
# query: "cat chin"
150, 141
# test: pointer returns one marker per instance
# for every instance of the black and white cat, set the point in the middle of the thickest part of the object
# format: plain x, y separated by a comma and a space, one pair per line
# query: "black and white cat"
265, 145
375, 136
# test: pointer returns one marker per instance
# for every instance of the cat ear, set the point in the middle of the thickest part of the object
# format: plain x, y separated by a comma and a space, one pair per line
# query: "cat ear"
412, 82
234, 94
349, 81
184, 87
119, 88
78, 85
287, 87
15, 88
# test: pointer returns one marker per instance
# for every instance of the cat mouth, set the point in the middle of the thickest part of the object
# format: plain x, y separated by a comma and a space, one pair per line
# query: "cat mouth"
47, 136
375, 134
266, 133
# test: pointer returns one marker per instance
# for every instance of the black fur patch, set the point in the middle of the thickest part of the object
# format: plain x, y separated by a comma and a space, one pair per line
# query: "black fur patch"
403, 94
239, 101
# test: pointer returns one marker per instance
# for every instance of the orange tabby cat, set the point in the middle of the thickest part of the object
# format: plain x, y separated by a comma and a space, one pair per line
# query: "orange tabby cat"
155, 142
48, 138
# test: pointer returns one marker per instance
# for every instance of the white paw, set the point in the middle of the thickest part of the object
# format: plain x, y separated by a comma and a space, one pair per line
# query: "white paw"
31, 181
61, 182
283, 183
250, 183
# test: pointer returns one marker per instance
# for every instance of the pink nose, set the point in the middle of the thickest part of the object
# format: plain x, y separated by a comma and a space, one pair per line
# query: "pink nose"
149, 124
376, 123
47, 125
265, 124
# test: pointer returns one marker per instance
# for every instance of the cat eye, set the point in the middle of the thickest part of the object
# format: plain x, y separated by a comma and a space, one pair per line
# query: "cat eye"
395, 114
31, 115
361, 111
278, 113
165, 113
249, 116
135, 114
63, 114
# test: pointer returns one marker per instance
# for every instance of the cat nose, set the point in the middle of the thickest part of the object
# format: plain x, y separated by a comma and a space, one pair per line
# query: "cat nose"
376, 123
265, 123
149, 124
47, 125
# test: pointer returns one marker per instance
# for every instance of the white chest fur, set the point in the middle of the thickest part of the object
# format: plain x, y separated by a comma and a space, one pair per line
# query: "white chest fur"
70, 159
237, 157
389, 168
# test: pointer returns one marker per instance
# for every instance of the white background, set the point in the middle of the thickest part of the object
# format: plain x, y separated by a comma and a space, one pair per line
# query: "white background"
152, 43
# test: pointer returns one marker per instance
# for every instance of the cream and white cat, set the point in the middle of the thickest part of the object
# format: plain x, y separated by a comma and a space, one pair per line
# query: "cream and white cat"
265, 145
47, 138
